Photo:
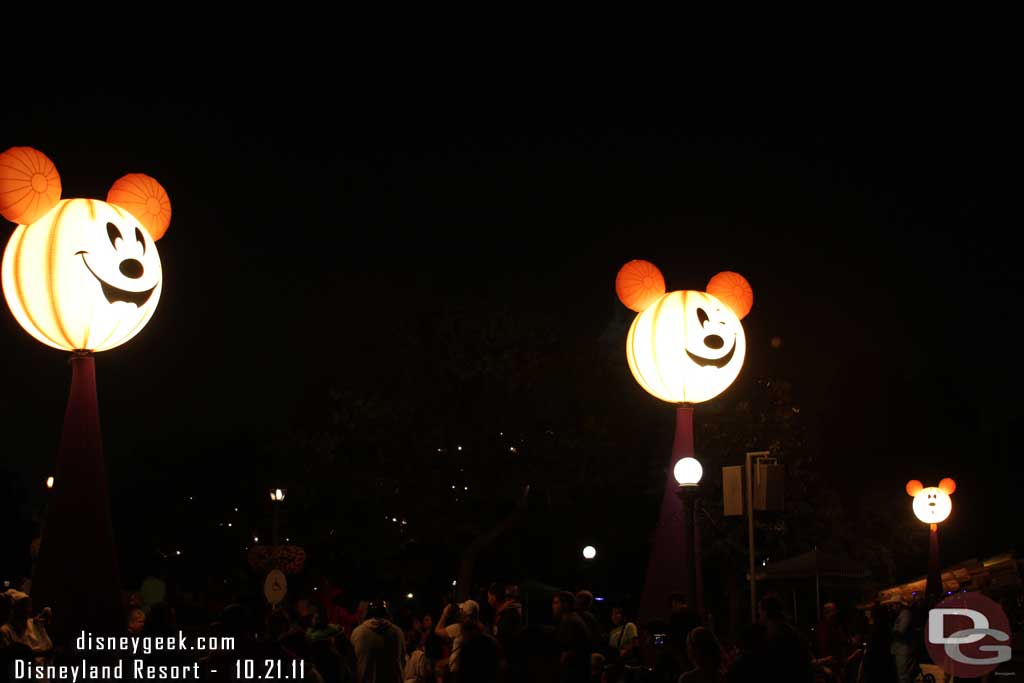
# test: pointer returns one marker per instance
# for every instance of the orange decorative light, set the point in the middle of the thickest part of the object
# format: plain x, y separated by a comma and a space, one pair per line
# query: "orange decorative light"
686, 347
29, 184
84, 275
734, 291
933, 504
639, 284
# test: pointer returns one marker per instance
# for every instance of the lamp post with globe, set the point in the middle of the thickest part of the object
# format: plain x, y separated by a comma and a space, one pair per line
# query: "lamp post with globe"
932, 506
683, 347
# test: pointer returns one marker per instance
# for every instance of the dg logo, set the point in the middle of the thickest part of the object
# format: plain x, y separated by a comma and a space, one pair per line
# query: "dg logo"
968, 635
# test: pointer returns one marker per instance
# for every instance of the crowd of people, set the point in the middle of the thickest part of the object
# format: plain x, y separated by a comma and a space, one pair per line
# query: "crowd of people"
494, 641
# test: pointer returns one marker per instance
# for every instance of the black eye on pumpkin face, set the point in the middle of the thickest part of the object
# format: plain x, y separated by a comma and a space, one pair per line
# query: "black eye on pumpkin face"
138, 236
113, 234
702, 317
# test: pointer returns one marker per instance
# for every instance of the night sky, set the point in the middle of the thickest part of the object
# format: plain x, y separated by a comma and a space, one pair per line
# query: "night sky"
883, 258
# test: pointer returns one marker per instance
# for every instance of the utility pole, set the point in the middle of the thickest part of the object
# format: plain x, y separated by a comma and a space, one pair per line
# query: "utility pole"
753, 458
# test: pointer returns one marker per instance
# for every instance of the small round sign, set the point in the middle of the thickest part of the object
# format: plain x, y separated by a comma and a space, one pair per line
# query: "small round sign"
275, 587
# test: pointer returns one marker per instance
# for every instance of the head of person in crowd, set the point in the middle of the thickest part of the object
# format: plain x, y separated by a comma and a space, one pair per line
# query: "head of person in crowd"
469, 611
136, 621
563, 604
20, 606
829, 612
495, 594
378, 609
584, 601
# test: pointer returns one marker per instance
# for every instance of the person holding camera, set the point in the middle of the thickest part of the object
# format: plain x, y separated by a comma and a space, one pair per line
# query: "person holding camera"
455, 622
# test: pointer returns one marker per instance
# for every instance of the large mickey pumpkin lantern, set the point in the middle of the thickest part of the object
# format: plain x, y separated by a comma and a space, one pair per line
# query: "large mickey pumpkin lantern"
82, 275
684, 347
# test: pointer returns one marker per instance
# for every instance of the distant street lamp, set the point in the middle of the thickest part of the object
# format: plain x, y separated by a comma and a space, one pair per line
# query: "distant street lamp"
932, 506
589, 553
276, 497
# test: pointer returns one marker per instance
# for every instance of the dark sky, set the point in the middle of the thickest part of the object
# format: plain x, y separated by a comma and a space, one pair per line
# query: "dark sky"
884, 258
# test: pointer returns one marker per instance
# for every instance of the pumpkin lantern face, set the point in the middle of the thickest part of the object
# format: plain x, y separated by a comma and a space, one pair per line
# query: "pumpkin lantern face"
932, 505
686, 347
84, 276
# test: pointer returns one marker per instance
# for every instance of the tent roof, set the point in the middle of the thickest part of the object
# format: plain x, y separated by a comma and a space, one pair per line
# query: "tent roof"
814, 563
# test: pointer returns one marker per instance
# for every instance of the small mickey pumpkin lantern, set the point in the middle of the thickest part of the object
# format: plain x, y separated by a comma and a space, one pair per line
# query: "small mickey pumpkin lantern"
81, 274
684, 346
932, 505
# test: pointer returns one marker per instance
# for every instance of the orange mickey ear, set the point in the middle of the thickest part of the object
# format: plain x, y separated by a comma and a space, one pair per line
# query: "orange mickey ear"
733, 290
145, 199
947, 485
29, 185
639, 284
914, 487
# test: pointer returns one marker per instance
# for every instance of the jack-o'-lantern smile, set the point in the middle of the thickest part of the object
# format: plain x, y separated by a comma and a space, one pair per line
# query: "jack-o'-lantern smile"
114, 294
716, 362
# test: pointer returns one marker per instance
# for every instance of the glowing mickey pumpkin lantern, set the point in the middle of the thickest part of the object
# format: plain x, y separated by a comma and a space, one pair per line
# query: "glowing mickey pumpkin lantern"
84, 275
932, 505
685, 346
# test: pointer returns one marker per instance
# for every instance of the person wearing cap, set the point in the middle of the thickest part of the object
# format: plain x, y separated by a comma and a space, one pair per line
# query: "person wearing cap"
379, 646
466, 617
24, 629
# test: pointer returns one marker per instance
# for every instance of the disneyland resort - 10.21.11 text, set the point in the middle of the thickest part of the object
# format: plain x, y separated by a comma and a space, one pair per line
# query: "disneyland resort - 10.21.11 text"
138, 669
133, 664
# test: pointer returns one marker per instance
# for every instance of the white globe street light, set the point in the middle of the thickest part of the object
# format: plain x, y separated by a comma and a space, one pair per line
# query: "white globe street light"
688, 472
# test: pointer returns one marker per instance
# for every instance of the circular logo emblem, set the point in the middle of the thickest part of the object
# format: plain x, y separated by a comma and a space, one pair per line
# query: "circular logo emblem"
968, 635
